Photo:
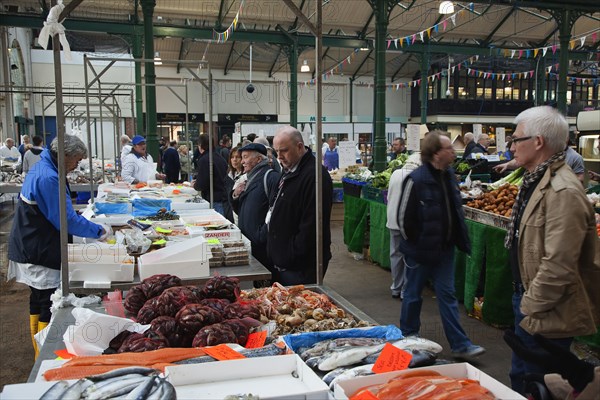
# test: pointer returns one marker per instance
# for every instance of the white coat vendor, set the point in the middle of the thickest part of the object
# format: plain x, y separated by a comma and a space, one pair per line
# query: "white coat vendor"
138, 166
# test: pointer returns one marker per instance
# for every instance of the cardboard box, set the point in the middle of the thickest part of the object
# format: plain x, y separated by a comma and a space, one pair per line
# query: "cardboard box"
345, 389
186, 259
275, 377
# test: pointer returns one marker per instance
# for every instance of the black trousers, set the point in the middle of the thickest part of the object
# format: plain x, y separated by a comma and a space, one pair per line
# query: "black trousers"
39, 303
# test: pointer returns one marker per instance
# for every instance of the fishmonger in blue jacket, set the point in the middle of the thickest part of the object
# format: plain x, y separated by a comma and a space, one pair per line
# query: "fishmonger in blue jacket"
34, 243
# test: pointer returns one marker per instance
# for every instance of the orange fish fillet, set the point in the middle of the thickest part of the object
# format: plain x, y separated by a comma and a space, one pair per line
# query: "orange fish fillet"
78, 372
146, 358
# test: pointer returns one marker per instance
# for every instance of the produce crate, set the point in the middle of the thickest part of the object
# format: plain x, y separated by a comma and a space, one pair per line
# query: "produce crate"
484, 178
486, 217
374, 194
352, 187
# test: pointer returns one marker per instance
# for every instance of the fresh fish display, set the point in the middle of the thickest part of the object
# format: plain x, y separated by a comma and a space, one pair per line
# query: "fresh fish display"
121, 372
420, 358
349, 373
132, 383
268, 350
55, 390
418, 343
320, 348
341, 357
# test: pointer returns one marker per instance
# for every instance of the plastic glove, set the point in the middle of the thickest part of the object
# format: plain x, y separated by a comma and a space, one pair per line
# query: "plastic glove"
555, 359
106, 232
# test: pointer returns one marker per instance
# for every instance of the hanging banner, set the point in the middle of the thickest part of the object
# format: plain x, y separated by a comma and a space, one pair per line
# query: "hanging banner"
347, 153
413, 137
501, 139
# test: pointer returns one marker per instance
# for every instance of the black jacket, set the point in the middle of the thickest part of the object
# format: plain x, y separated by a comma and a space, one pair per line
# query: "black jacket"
219, 174
292, 228
430, 215
171, 164
252, 207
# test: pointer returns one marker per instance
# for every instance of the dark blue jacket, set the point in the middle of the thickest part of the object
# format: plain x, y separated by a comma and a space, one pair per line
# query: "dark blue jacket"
428, 231
35, 235
171, 164
252, 207
219, 175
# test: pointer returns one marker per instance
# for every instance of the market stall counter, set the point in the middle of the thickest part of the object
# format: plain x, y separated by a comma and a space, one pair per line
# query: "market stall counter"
63, 319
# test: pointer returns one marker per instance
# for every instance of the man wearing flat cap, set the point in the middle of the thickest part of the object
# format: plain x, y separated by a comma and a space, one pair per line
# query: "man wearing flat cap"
250, 199
138, 166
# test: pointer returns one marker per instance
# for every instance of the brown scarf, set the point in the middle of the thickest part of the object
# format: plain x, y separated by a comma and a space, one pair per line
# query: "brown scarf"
528, 179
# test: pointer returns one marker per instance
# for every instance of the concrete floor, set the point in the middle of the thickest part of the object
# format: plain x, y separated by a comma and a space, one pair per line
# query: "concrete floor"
366, 286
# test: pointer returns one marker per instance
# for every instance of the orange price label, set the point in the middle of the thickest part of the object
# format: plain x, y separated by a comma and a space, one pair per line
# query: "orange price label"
391, 359
363, 394
64, 354
223, 352
256, 339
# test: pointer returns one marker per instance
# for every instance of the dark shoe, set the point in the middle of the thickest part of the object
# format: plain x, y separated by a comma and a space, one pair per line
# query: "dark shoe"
395, 296
470, 352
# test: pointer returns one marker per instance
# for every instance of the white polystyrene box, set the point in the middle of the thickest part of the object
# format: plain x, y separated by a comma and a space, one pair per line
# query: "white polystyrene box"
185, 259
98, 252
347, 388
274, 377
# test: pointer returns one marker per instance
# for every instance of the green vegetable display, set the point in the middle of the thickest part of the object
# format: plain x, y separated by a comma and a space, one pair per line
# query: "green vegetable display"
515, 178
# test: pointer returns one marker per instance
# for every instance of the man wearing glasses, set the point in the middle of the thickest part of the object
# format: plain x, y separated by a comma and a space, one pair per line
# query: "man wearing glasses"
552, 242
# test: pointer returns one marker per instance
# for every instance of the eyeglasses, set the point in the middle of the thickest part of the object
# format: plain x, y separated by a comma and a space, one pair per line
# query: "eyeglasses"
521, 139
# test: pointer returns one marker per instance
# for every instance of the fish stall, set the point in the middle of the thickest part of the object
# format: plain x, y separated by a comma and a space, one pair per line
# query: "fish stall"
167, 339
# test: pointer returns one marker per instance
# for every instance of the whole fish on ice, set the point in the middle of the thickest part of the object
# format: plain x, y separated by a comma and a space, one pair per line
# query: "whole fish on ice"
344, 356
361, 370
418, 343
320, 348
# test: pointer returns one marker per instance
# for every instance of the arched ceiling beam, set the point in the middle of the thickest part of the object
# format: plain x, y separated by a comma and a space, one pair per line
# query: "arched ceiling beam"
274, 63
489, 37
401, 66
226, 69
361, 64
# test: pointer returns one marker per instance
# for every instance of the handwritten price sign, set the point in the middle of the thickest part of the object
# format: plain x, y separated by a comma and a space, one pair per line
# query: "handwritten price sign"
223, 352
391, 359
256, 340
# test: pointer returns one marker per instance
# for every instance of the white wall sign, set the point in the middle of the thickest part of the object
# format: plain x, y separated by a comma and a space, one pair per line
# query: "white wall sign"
347, 153
413, 137
501, 139
477, 130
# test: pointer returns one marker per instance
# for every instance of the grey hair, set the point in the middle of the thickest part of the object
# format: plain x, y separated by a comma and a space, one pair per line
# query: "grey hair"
469, 136
74, 146
125, 139
291, 132
546, 122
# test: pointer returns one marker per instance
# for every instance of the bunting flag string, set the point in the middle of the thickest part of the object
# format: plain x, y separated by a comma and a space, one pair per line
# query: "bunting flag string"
222, 37
412, 39
331, 71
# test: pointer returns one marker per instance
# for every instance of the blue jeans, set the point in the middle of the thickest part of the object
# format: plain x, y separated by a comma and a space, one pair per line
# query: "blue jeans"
442, 275
519, 367
397, 264
218, 207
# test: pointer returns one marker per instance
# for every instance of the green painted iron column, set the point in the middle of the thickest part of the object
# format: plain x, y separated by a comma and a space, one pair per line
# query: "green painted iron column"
423, 87
381, 24
292, 53
150, 77
139, 99
563, 59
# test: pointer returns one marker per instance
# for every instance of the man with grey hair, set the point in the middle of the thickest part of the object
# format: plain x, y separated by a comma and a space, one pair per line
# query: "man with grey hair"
291, 219
9, 152
469, 140
250, 199
34, 242
552, 242
125, 146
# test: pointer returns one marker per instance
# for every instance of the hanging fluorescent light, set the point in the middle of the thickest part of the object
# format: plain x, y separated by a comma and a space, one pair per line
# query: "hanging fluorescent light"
446, 7
157, 59
305, 67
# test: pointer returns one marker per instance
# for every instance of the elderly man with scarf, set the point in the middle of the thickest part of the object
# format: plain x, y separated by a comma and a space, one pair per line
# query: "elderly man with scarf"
250, 199
552, 242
